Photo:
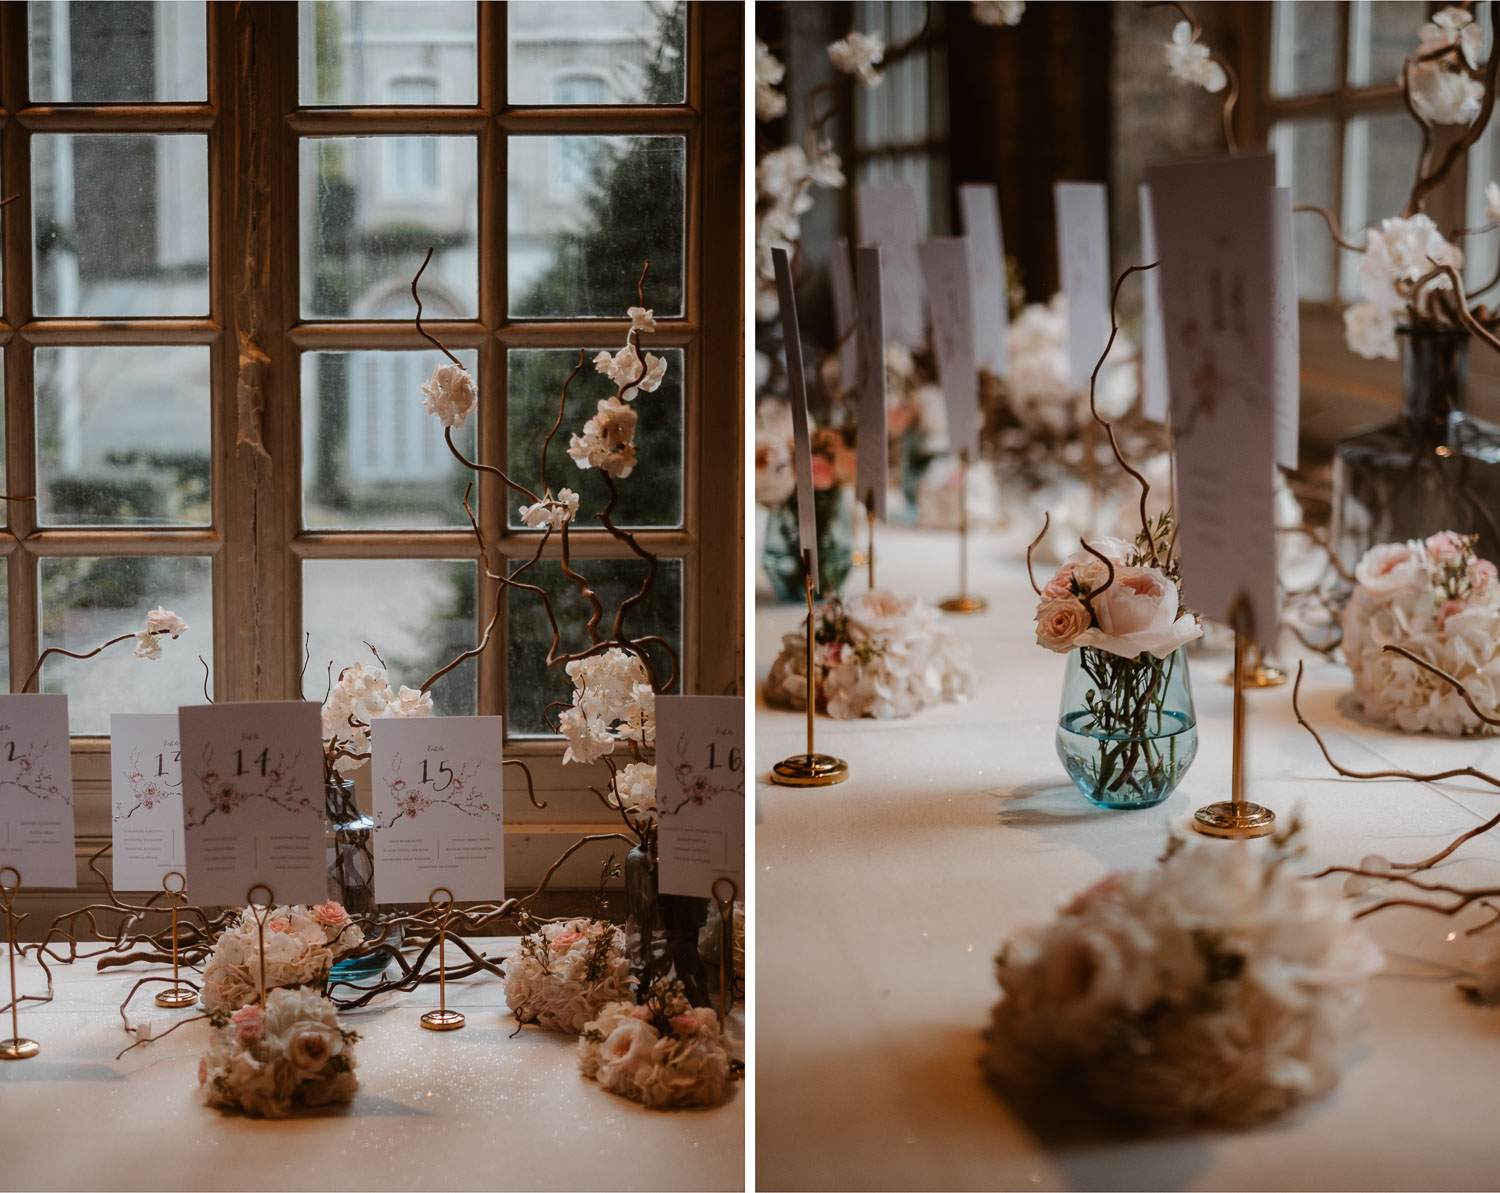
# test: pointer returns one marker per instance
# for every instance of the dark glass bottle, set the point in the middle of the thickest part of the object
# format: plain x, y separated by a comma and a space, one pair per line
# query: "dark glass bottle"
1432, 468
662, 931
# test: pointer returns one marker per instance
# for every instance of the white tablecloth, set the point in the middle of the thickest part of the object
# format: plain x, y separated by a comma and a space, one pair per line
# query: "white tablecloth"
467, 1109
881, 904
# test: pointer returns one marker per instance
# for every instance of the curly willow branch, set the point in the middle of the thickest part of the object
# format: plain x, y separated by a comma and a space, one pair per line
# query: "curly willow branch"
1032, 546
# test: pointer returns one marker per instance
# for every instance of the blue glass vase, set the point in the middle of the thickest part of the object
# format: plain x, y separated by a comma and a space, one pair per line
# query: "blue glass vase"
350, 841
1126, 731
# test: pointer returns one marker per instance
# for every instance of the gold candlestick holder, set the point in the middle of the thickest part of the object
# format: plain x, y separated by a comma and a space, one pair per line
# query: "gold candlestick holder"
725, 904
180, 995
1258, 673
18, 1047
442, 1019
963, 602
1236, 819
810, 769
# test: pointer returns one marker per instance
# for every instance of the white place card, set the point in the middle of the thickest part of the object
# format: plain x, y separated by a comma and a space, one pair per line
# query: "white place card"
1083, 263
36, 790
841, 288
439, 792
946, 267
872, 448
791, 336
145, 779
252, 801
1215, 231
1287, 344
886, 218
700, 793
1154, 399
979, 205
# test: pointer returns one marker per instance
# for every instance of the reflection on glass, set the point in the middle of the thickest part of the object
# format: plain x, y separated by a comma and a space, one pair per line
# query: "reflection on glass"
419, 613
371, 454
86, 601
358, 52
585, 214
371, 208
123, 436
652, 494
120, 225
1304, 47
1379, 154
530, 684
1381, 35
596, 52
117, 53
1304, 162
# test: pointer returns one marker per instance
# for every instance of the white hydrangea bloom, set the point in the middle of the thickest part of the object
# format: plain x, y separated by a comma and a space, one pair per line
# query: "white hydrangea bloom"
361, 695
1037, 387
450, 394
612, 702
687, 1064
1397, 253
146, 645
636, 788
1191, 61
1370, 330
859, 54
769, 71
564, 974
998, 12
1492, 202
164, 621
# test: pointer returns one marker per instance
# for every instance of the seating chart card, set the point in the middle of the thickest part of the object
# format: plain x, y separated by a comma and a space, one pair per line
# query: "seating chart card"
700, 793
36, 790
980, 207
1083, 265
872, 448
145, 778
886, 217
946, 266
1154, 400
841, 287
791, 334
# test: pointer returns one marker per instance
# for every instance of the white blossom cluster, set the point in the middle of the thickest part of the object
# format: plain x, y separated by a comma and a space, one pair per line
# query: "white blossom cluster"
362, 694
302, 943
634, 789
551, 512
564, 974
1037, 388
607, 441
613, 701
662, 1053
1191, 62
450, 394
859, 54
1218, 986
1396, 254
876, 655
784, 179
1442, 90
1442, 603
770, 104
998, 12
158, 622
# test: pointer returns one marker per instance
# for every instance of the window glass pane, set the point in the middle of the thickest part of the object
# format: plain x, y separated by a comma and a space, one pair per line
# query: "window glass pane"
1481, 248
121, 225
633, 50
652, 494
530, 684
585, 214
372, 455
123, 436
86, 601
4, 630
1380, 154
352, 51
1305, 160
1304, 47
1381, 35
419, 613
123, 52
371, 208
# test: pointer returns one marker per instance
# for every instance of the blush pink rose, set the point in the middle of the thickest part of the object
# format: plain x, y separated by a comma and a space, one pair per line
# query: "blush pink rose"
1482, 573
1445, 547
1060, 622
1389, 568
247, 1025
1137, 614
565, 940
684, 1025
822, 473
330, 914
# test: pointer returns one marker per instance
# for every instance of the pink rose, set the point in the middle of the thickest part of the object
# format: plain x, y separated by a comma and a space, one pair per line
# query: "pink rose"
279, 924
247, 1025
1060, 622
822, 473
1448, 610
1137, 614
1061, 584
1446, 547
641, 1012
330, 914
1389, 568
684, 1025
566, 940
1482, 574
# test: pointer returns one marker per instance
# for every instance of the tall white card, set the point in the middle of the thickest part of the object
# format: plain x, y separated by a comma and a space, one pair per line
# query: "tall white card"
841, 286
700, 793
145, 778
36, 790
791, 335
1083, 262
886, 218
1215, 233
979, 204
252, 801
1287, 344
1154, 400
872, 447
439, 807
946, 267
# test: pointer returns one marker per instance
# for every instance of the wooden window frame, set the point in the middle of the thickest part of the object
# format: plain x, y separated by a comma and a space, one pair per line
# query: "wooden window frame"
256, 544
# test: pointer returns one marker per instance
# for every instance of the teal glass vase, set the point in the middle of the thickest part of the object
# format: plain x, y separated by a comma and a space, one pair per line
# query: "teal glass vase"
782, 553
1126, 730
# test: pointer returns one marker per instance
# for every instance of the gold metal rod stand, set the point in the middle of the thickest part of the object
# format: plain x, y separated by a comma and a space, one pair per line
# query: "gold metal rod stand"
17, 1047
180, 995
963, 602
870, 519
442, 1019
810, 769
1258, 672
1237, 819
726, 942
261, 914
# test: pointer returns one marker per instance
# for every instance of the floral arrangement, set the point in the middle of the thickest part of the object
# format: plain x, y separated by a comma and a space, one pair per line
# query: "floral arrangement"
833, 456
361, 695
875, 655
1036, 389
262, 1060
302, 944
564, 974
662, 1052
1216, 986
613, 702
1438, 600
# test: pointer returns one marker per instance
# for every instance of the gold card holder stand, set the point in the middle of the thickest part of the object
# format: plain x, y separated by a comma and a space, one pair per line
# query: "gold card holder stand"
810, 769
260, 913
18, 1047
963, 602
1236, 819
442, 1019
870, 523
180, 994
725, 903
1257, 672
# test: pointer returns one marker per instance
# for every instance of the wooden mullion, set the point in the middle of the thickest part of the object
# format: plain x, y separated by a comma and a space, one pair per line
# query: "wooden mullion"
384, 544
614, 120
123, 332
116, 119
353, 335
378, 121
584, 333
494, 362
598, 544
65, 542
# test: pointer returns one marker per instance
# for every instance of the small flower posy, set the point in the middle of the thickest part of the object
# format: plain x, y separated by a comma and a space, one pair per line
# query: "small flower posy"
361, 695
564, 974
302, 944
662, 1052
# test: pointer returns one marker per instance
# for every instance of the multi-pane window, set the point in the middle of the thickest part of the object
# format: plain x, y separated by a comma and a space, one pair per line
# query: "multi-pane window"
211, 372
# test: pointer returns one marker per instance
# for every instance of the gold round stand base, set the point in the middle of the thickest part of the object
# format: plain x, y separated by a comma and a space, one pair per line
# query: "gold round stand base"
18, 1049
964, 604
177, 998
810, 770
1260, 676
1234, 822
443, 1020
